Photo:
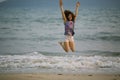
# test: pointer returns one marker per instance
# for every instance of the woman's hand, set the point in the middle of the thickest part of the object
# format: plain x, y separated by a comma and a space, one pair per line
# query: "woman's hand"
77, 4
60, 1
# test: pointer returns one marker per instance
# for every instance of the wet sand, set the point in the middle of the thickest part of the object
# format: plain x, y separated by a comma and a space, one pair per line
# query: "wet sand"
44, 76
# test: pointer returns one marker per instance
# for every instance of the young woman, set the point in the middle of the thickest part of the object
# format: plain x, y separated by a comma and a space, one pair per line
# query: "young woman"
69, 20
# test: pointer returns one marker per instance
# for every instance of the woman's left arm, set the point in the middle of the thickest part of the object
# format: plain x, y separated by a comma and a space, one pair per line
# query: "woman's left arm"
76, 10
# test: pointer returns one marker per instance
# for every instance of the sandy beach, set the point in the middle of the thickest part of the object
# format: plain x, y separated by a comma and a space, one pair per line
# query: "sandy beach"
42, 76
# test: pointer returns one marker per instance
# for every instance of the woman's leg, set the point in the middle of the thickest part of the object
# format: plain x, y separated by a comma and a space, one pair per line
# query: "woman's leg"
72, 43
65, 45
72, 46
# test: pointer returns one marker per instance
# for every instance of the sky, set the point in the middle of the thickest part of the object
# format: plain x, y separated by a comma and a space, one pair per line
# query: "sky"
84, 3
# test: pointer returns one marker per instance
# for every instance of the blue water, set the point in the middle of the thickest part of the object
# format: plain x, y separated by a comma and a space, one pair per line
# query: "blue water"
29, 37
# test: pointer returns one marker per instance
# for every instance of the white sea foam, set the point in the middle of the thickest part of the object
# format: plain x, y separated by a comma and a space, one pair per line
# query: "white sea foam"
64, 63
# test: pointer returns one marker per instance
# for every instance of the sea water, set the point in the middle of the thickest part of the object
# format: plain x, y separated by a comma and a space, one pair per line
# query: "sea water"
29, 37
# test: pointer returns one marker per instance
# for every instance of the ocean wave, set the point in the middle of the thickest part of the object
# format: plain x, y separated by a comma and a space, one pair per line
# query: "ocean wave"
109, 38
105, 38
2, 1
67, 62
100, 37
10, 20
102, 53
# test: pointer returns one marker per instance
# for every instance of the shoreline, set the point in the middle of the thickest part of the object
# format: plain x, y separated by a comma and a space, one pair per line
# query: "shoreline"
57, 76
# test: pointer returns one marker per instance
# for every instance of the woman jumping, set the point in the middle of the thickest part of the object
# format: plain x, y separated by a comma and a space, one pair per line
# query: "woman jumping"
69, 21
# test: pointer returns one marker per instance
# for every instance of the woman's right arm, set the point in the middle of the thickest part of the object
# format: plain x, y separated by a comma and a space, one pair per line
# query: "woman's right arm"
62, 11
76, 10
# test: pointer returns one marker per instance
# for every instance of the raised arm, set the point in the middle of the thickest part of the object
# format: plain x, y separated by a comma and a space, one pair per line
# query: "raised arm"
76, 9
62, 10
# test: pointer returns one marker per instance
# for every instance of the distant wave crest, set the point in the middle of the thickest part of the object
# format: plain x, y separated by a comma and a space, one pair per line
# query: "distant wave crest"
2, 1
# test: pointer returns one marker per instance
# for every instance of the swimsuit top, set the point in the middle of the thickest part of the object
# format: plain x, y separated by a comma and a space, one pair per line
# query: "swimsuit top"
69, 28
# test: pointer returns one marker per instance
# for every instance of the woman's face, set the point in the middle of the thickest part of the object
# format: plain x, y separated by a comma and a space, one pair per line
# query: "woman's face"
70, 17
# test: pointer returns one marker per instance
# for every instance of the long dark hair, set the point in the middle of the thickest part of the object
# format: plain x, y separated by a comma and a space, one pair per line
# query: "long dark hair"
67, 12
